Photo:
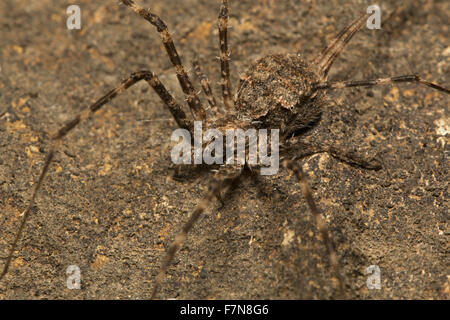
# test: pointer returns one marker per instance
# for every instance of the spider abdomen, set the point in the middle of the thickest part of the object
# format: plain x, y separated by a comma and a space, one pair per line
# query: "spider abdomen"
275, 93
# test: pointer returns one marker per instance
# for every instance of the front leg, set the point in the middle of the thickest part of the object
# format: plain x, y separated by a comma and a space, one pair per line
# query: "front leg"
302, 150
216, 187
296, 167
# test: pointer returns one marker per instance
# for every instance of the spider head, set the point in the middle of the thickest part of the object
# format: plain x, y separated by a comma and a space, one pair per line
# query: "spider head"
275, 93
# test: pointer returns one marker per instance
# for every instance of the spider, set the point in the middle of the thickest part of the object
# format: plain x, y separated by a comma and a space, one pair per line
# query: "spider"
282, 91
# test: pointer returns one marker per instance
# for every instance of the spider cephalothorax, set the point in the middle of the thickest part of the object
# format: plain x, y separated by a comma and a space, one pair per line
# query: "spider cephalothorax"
279, 91
276, 92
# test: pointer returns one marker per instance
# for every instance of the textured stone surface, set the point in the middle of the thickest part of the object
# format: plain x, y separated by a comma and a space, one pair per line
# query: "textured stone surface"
110, 203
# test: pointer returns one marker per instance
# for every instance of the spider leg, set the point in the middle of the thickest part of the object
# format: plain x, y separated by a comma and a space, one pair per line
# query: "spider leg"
152, 80
350, 158
296, 167
185, 83
26, 212
375, 82
326, 58
215, 188
206, 86
225, 56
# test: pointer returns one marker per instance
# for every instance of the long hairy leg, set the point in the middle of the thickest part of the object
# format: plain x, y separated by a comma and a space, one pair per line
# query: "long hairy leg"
153, 81
205, 86
216, 188
186, 85
225, 56
300, 150
329, 85
296, 167
328, 55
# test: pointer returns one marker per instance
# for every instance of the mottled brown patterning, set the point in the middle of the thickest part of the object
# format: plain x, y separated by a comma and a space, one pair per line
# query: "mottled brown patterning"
275, 92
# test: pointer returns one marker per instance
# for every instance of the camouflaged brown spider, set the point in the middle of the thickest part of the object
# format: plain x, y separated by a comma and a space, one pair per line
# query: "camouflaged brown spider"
280, 91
